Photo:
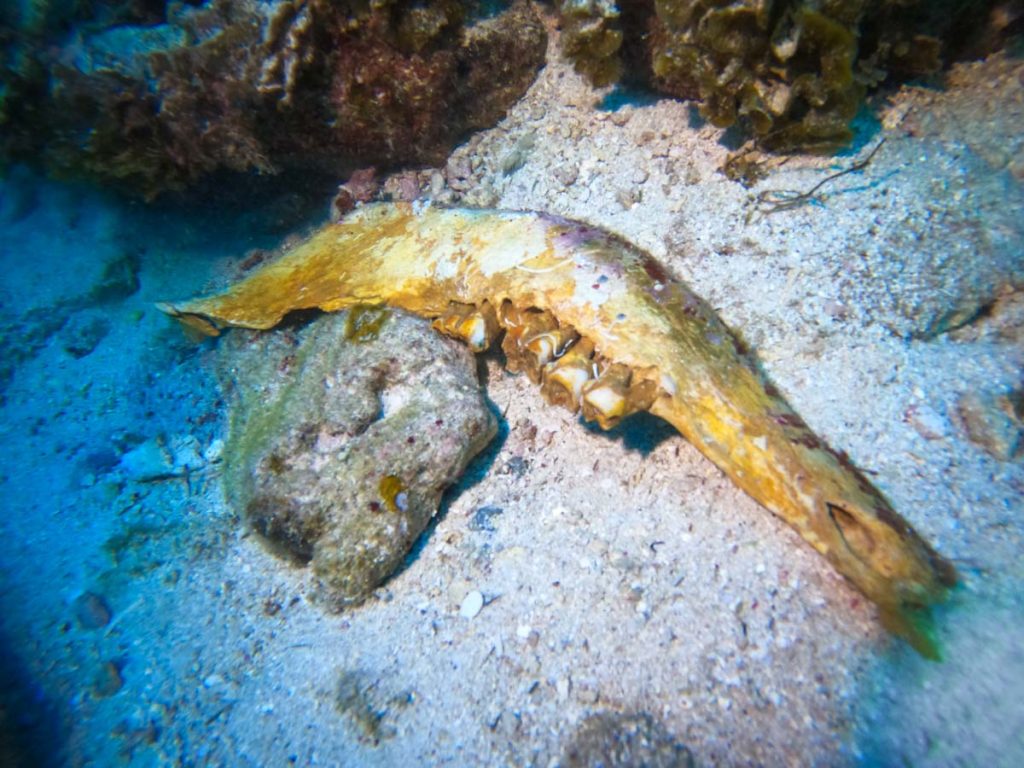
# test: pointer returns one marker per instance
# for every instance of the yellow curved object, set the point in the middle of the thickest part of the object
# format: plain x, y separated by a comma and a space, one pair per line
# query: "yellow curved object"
602, 327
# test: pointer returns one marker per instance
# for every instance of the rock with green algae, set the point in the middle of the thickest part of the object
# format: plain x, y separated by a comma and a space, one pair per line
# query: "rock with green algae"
307, 86
793, 72
343, 437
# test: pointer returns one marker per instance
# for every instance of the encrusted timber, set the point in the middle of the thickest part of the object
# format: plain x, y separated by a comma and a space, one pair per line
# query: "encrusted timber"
604, 328
570, 372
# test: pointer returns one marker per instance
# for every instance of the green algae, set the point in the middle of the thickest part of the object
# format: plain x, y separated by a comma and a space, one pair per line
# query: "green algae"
788, 77
793, 73
592, 38
392, 490
364, 322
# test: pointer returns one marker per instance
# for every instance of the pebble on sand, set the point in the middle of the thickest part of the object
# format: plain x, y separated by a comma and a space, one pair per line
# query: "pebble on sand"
91, 610
472, 604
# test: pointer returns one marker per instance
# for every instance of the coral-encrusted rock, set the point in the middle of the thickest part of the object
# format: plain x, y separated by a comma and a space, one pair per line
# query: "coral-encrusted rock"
268, 86
344, 435
794, 73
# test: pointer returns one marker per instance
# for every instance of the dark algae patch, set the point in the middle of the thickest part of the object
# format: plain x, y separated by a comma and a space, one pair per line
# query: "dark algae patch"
792, 73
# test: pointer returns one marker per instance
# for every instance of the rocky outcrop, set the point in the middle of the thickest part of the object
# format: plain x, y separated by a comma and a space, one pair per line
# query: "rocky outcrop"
251, 86
792, 73
344, 435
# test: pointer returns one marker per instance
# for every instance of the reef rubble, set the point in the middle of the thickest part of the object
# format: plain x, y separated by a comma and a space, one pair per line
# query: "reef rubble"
341, 447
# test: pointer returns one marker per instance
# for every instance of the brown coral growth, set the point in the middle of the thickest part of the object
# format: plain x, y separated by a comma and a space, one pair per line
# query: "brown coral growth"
245, 86
793, 72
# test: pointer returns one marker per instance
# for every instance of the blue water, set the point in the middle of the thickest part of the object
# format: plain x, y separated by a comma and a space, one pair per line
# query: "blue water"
92, 375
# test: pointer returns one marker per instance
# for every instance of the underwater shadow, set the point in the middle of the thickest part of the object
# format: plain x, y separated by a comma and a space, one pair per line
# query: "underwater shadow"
628, 96
642, 432
31, 728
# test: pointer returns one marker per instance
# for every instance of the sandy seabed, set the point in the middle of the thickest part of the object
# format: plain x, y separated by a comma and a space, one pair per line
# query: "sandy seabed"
620, 572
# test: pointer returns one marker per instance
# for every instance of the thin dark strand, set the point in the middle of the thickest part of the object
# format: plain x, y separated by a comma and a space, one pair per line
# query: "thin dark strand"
777, 200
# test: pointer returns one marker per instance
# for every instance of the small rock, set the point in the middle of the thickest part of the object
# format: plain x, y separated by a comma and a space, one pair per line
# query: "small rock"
562, 687
361, 187
458, 172
214, 450
472, 605
148, 461
108, 679
342, 462
929, 424
587, 694
483, 517
627, 198
566, 175
993, 421
91, 610
120, 279
523, 631
436, 183
83, 334
186, 453
404, 186
836, 310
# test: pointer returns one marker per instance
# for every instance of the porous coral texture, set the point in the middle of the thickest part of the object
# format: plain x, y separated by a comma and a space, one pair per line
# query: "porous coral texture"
592, 38
268, 86
793, 72
340, 448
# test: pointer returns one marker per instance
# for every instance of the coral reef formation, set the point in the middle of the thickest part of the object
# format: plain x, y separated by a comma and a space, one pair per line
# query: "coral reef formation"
340, 449
793, 71
603, 328
164, 96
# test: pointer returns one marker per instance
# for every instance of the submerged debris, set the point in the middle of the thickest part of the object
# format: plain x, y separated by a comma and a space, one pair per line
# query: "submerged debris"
603, 329
339, 450
774, 200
